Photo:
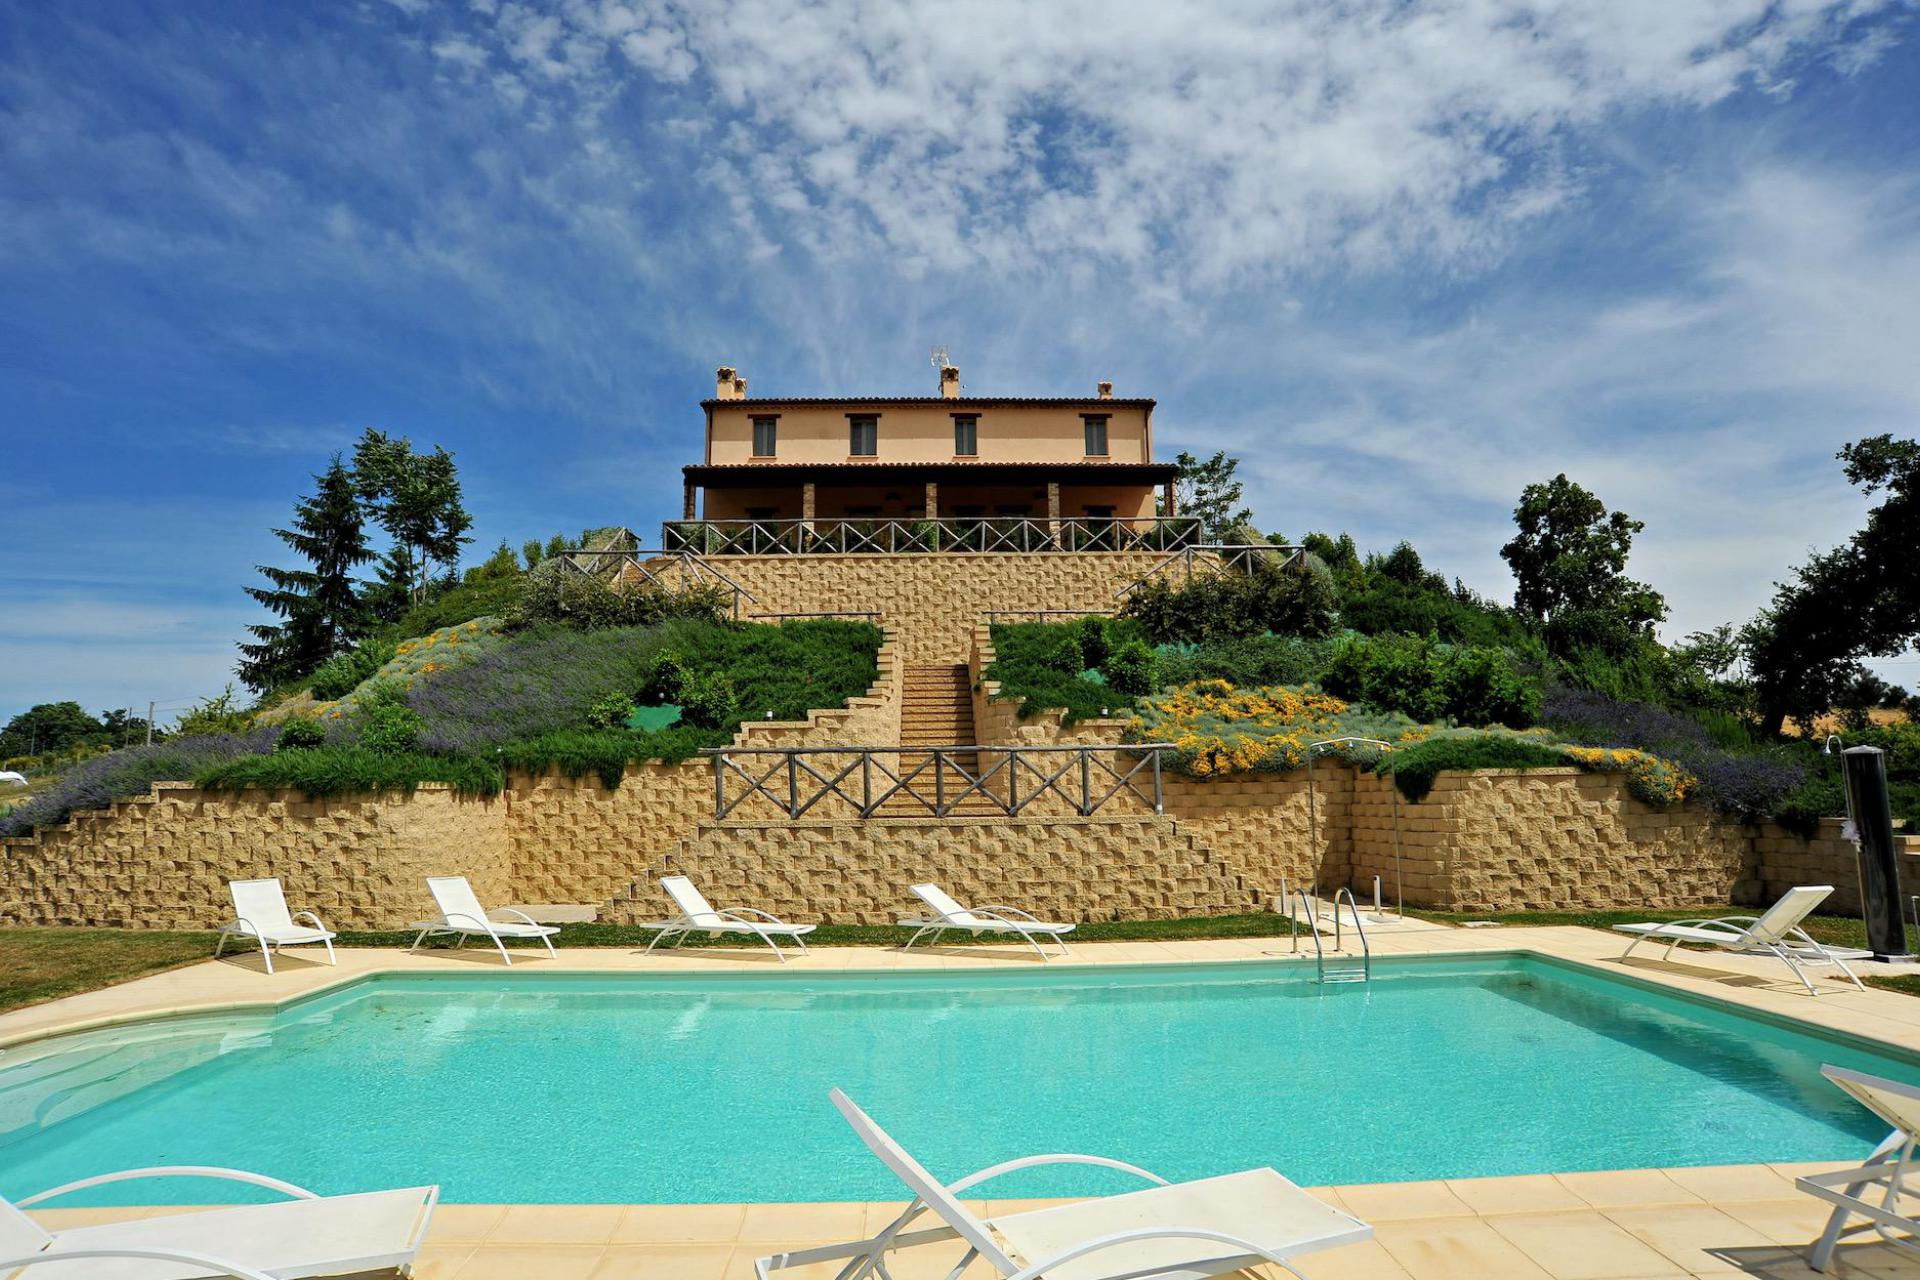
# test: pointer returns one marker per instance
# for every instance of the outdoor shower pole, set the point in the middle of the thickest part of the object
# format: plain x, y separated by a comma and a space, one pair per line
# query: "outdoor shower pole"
1865, 770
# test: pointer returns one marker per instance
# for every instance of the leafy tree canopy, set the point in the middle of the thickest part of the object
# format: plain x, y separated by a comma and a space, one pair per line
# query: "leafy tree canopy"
1207, 491
1569, 562
415, 497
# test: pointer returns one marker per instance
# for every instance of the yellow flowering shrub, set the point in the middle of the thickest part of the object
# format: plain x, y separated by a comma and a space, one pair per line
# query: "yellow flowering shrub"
1217, 729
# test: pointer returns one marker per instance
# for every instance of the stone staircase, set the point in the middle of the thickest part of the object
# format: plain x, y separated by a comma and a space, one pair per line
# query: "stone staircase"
937, 707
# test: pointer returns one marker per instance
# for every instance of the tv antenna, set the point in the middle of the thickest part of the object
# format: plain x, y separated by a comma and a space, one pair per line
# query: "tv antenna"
940, 358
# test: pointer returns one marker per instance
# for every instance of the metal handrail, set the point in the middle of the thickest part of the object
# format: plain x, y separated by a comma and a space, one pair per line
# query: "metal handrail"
799, 778
1313, 926
1366, 952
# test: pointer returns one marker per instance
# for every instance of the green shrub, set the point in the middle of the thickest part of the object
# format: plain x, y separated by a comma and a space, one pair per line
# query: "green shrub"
557, 593
221, 713
299, 734
708, 700
610, 712
577, 753
343, 673
1130, 669
328, 771
1043, 665
386, 724
1433, 682
1300, 599
1413, 768
1249, 661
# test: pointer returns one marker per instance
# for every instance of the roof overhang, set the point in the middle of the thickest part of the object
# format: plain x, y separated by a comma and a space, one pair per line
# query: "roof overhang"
767, 404
760, 474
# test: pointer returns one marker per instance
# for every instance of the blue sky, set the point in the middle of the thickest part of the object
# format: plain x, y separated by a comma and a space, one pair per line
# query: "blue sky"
1402, 258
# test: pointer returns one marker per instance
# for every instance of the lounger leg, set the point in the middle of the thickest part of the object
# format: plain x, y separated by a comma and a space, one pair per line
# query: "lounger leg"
1822, 1252
266, 953
657, 938
417, 941
224, 935
502, 947
768, 939
331, 958
1781, 954
1036, 946
551, 953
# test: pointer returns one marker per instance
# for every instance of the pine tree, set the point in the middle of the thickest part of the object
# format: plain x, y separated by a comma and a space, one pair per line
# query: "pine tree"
390, 594
322, 614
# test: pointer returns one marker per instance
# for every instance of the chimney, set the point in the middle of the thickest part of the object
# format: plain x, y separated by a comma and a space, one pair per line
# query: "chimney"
726, 386
949, 382
1106, 391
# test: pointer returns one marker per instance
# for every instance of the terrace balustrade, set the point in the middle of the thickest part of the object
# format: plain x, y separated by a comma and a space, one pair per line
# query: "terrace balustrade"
936, 782
947, 534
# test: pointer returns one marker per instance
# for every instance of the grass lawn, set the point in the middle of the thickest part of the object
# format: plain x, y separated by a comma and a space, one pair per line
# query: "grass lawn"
44, 964
37, 965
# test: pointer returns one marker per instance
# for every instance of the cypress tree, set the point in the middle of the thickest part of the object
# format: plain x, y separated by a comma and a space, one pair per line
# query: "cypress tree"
320, 610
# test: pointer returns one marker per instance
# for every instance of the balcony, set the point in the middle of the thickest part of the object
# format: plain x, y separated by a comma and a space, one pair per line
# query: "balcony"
976, 534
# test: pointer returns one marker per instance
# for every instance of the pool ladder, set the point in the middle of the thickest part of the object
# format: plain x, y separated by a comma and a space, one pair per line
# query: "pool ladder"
1340, 973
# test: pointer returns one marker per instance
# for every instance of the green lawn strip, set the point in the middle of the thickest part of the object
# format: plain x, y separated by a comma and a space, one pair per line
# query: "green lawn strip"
37, 965
1254, 925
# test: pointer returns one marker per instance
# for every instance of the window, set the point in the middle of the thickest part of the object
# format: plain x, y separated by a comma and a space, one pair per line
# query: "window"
863, 436
966, 435
762, 513
1099, 513
764, 433
1096, 434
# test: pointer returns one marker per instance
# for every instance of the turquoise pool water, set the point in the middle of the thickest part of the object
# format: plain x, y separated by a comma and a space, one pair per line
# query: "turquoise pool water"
577, 1089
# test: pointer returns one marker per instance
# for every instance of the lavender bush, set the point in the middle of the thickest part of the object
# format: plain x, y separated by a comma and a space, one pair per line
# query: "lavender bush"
1749, 783
117, 775
544, 682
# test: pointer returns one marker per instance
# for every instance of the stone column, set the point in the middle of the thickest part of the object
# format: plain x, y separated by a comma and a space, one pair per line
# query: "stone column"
933, 500
806, 506
688, 506
1167, 501
1053, 513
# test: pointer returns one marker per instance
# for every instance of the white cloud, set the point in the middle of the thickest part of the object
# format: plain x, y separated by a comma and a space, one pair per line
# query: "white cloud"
1197, 143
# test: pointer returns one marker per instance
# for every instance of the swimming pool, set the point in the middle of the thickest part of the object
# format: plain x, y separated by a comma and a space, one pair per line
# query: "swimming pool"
582, 1088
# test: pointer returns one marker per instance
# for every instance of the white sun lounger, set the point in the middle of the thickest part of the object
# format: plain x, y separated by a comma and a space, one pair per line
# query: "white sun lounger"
1885, 1171
308, 1235
260, 912
462, 914
1777, 933
999, 918
1180, 1231
697, 915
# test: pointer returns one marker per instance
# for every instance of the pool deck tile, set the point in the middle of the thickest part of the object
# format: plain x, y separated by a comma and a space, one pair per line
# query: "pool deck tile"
1643, 1224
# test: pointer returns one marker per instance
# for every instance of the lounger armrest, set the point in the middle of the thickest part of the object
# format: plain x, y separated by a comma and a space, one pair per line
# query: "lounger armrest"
242, 926
1028, 1162
1119, 1238
449, 917
515, 911
172, 1171
1002, 909
737, 912
215, 1266
317, 922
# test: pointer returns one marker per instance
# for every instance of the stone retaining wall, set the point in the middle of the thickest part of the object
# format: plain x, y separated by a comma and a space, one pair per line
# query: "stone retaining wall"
1096, 868
1487, 841
162, 861
932, 600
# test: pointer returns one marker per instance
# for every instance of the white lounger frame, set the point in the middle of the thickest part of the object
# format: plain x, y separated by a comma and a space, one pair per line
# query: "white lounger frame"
401, 1261
271, 924
462, 915
1757, 935
947, 914
869, 1255
1886, 1171
697, 915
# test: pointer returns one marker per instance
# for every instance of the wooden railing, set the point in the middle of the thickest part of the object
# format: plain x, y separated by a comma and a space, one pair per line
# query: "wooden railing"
937, 782
901, 537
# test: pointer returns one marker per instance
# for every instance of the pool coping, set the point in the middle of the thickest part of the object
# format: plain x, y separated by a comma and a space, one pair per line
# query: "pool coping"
1898, 1037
